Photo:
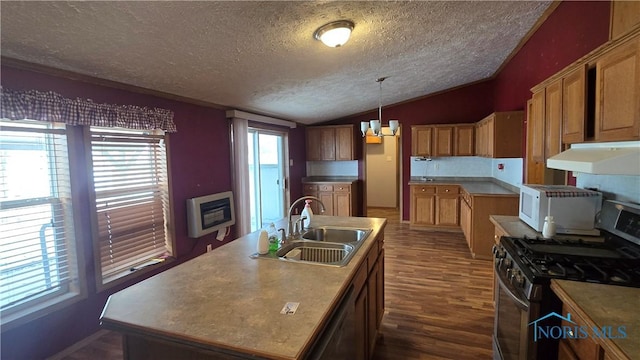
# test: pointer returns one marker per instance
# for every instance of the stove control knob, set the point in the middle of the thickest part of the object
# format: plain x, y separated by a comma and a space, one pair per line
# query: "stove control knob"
508, 263
519, 279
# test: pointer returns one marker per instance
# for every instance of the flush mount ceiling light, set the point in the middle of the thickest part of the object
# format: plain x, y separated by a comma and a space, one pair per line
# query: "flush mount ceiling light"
334, 34
376, 125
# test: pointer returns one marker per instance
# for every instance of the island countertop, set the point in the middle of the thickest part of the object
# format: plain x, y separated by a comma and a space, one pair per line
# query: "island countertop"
225, 300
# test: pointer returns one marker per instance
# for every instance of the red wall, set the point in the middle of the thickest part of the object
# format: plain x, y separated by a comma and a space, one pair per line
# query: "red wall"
199, 156
570, 32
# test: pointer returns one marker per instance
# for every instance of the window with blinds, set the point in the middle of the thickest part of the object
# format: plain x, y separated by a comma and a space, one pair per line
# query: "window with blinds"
131, 200
37, 243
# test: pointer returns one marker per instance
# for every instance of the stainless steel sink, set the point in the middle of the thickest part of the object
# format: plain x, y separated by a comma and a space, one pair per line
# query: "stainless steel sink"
336, 235
332, 246
319, 253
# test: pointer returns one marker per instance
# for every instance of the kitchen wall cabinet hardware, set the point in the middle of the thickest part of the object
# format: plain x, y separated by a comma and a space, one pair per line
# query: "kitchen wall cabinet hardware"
477, 228
435, 205
442, 140
617, 116
625, 15
330, 143
368, 284
339, 199
499, 135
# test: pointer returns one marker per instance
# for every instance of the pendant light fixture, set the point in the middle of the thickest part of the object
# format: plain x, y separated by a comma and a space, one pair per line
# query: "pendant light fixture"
376, 125
334, 34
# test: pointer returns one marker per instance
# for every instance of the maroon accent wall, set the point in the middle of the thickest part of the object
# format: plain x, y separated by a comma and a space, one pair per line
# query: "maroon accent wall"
199, 164
574, 29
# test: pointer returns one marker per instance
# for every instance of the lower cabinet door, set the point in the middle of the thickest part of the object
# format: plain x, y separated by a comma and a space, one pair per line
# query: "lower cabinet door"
361, 316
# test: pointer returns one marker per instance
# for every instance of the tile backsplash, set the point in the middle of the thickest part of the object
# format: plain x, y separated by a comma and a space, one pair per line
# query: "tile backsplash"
613, 187
469, 166
332, 168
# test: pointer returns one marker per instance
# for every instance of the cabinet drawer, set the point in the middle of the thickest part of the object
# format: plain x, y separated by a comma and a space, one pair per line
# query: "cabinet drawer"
584, 348
447, 189
423, 189
310, 188
342, 187
373, 256
325, 187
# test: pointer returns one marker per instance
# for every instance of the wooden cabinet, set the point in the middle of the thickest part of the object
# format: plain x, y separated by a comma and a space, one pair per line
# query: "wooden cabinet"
579, 347
447, 205
625, 15
421, 144
442, 140
499, 135
339, 199
368, 284
464, 140
435, 205
465, 216
327, 143
423, 205
553, 119
480, 233
617, 114
574, 106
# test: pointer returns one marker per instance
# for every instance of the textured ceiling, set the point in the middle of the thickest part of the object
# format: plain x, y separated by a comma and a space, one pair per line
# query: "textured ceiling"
261, 56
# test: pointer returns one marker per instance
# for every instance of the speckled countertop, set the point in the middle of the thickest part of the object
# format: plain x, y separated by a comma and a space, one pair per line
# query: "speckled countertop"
606, 305
226, 300
474, 186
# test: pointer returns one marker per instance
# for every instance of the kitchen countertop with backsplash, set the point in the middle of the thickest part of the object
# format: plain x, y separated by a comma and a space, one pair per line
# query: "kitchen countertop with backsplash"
226, 300
472, 185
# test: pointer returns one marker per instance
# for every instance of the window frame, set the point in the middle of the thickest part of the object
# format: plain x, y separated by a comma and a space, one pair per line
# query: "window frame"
100, 282
77, 288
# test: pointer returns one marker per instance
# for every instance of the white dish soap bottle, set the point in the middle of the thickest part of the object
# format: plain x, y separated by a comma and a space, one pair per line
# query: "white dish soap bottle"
549, 227
263, 243
305, 224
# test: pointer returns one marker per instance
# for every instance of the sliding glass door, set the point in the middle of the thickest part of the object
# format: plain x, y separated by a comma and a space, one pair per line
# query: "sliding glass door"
267, 177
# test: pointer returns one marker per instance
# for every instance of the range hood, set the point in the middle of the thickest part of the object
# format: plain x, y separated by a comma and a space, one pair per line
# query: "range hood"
615, 158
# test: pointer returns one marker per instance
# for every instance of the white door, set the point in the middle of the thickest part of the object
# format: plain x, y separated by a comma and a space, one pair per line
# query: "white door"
267, 177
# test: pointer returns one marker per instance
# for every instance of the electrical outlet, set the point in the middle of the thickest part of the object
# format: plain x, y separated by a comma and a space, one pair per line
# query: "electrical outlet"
209, 247
436, 166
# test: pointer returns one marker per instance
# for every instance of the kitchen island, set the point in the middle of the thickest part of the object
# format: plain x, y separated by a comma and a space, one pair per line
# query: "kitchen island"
224, 304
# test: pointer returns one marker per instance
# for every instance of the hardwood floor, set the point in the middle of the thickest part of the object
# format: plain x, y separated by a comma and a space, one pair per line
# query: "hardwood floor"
438, 299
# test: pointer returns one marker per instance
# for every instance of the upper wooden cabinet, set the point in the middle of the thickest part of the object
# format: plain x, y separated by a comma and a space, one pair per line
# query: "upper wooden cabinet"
464, 140
625, 15
442, 140
574, 106
330, 142
553, 119
499, 135
617, 115
421, 140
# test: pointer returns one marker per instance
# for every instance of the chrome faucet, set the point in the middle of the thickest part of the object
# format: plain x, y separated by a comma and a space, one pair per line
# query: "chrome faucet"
293, 230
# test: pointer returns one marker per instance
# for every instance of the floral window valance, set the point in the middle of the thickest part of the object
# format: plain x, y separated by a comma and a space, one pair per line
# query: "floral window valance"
52, 107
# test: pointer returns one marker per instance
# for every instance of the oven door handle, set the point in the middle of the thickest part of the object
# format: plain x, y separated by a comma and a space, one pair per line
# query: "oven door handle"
509, 290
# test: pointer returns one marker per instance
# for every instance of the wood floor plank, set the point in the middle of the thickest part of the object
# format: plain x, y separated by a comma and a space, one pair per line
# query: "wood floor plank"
438, 299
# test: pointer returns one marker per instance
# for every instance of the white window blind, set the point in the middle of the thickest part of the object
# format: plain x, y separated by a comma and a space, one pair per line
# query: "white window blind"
37, 245
131, 199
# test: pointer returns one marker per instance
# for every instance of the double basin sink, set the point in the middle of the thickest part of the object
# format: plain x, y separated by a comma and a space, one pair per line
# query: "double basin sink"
332, 246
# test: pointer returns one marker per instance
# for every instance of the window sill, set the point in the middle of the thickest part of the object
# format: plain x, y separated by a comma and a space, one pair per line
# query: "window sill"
133, 273
12, 319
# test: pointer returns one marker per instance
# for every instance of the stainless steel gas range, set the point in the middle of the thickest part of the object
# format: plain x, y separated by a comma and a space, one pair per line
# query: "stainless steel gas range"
525, 266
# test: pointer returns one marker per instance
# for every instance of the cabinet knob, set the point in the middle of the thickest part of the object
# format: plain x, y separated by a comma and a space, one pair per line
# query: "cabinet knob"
341, 188
423, 189
447, 190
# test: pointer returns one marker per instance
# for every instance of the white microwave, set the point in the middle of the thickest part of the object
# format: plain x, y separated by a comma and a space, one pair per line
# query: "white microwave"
573, 209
